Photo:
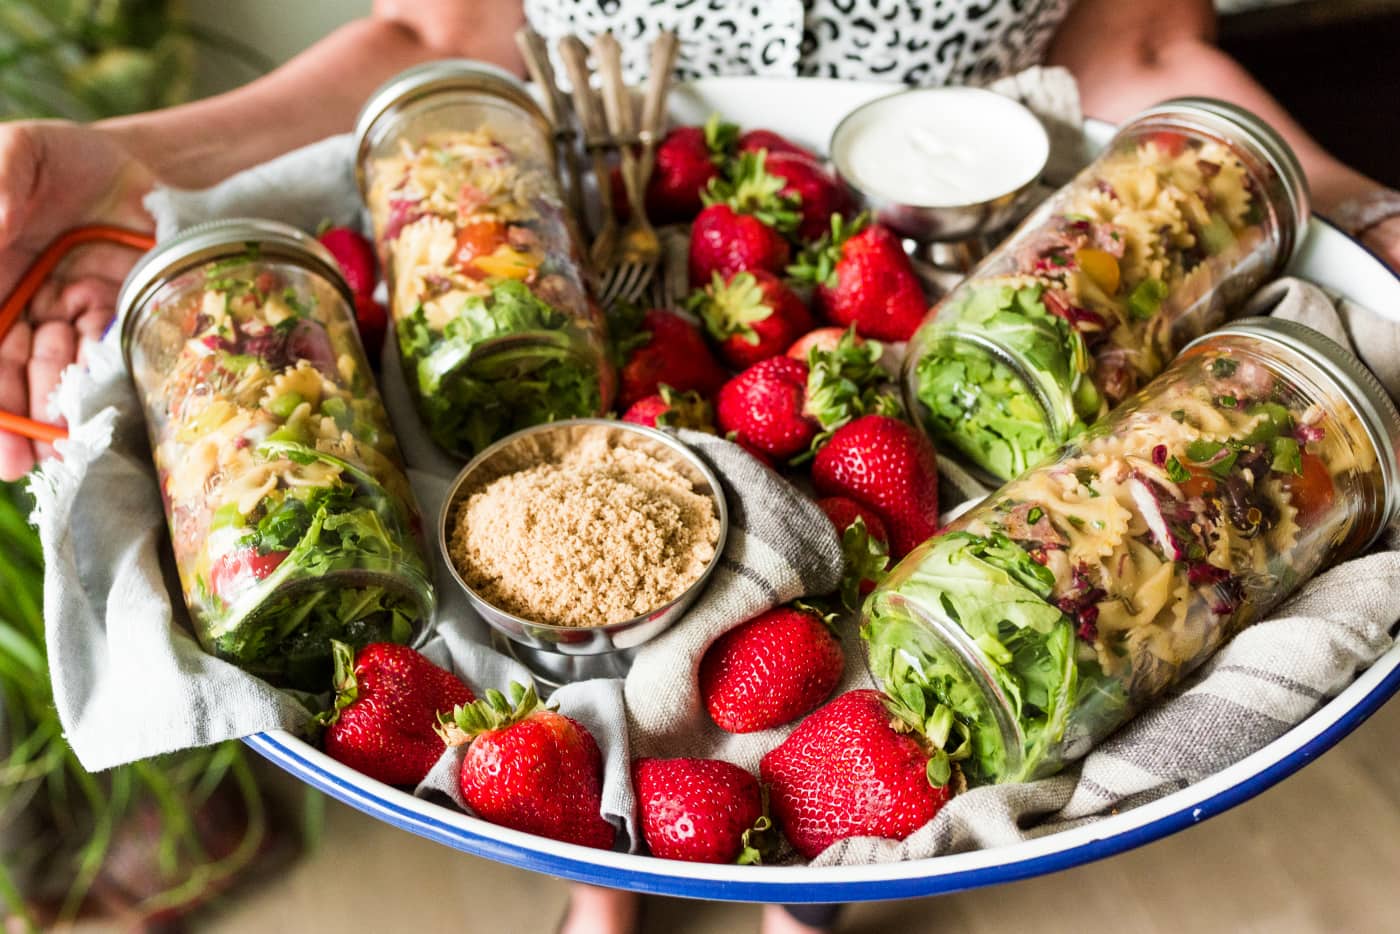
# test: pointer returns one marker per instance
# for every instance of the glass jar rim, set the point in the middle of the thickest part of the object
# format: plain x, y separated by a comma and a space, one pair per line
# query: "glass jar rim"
212, 241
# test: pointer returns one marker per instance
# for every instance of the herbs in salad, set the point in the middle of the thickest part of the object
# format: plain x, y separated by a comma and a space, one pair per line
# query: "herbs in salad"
1087, 587
290, 514
495, 328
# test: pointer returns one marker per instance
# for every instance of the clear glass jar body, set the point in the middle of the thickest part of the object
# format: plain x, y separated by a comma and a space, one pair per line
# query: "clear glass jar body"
496, 327
1048, 615
1150, 246
290, 514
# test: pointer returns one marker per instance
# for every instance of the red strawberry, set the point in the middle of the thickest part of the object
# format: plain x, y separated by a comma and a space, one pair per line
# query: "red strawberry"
763, 409
753, 315
674, 353
530, 768
864, 277
723, 242
770, 670
819, 193
687, 160
386, 711
373, 322
671, 409
698, 810
355, 257
846, 771
864, 542
773, 143
825, 339
889, 467
743, 224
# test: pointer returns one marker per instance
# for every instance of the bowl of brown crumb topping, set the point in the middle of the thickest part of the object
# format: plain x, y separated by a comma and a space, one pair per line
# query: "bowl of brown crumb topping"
579, 540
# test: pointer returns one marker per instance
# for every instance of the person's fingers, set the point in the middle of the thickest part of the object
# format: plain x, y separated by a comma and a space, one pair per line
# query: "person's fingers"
55, 347
16, 453
71, 300
91, 325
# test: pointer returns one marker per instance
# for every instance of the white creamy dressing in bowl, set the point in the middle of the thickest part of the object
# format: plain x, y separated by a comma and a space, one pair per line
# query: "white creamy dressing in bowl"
940, 147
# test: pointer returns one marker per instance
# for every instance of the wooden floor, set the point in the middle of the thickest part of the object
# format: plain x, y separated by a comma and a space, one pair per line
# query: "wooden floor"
1320, 852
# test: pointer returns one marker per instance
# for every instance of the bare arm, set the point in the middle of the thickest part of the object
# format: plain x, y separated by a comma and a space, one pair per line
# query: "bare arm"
317, 93
1130, 55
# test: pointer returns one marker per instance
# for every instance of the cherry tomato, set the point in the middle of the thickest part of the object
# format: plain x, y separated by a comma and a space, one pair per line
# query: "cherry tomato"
240, 569
1169, 141
1313, 492
478, 238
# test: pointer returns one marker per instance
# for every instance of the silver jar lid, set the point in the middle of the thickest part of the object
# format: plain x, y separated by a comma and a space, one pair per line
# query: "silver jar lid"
213, 241
450, 74
1233, 123
1367, 396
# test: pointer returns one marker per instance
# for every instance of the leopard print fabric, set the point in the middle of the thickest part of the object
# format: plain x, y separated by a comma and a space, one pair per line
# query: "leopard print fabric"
915, 42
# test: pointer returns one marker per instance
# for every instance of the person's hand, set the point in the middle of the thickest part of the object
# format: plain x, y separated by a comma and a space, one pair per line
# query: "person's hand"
54, 176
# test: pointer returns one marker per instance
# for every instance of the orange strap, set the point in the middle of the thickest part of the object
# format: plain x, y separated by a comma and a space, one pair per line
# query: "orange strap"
29, 283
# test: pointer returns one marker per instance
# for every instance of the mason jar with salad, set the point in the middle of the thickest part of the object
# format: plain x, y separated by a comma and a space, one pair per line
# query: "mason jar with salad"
1192, 206
496, 329
1047, 616
290, 515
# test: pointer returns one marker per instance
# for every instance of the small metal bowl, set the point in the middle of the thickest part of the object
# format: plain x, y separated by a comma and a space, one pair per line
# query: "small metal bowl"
941, 223
560, 654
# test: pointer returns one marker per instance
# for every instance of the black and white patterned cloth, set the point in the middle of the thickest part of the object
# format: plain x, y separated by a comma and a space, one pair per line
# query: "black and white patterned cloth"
916, 42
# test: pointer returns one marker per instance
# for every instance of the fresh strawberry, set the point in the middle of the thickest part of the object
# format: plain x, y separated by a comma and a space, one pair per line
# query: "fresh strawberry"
743, 224
772, 143
851, 769
687, 160
674, 352
771, 670
530, 768
889, 467
354, 255
763, 408
864, 542
847, 381
825, 339
373, 322
864, 277
671, 409
699, 810
753, 315
386, 711
723, 242
819, 193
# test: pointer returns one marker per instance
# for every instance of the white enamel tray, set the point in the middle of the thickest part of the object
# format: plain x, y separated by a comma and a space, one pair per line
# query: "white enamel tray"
807, 110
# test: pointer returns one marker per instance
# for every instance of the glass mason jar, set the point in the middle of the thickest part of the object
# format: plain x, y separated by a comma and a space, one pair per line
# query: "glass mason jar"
1192, 206
290, 514
487, 287
1045, 617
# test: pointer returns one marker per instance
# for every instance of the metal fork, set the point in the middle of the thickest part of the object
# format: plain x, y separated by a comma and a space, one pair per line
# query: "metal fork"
595, 138
639, 250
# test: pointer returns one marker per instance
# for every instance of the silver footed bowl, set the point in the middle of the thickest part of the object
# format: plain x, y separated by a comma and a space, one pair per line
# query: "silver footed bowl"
942, 223
560, 654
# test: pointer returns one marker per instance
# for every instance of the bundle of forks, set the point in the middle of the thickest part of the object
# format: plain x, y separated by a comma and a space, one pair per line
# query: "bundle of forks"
602, 127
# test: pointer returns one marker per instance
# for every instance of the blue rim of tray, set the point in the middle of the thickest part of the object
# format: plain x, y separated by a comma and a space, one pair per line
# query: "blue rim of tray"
365, 795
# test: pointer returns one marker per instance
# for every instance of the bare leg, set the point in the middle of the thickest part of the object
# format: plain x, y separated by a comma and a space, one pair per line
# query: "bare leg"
594, 910
804, 919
